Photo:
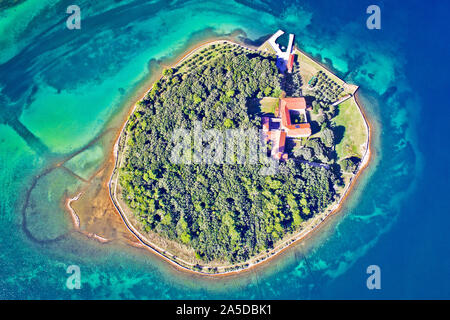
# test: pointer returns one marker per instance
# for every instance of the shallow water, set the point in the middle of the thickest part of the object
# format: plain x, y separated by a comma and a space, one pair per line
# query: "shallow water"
61, 88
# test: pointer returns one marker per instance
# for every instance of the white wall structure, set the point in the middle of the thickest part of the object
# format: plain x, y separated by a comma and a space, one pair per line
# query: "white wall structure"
283, 56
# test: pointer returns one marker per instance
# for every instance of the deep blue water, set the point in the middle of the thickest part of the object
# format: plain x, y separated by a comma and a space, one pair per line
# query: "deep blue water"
397, 218
414, 253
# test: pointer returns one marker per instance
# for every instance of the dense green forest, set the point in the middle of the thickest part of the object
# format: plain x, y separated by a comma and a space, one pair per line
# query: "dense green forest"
224, 211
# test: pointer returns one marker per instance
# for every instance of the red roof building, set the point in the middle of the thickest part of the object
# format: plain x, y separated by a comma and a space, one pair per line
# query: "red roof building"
293, 103
286, 128
290, 63
282, 141
293, 130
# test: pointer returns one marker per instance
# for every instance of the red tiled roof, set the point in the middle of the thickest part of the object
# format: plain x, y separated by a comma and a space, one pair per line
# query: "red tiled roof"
302, 129
282, 141
290, 63
287, 104
286, 128
293, 103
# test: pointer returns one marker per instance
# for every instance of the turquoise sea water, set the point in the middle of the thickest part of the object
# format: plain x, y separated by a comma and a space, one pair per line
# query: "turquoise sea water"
60, 88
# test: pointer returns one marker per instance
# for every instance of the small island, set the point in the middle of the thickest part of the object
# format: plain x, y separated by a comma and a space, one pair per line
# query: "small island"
271, 141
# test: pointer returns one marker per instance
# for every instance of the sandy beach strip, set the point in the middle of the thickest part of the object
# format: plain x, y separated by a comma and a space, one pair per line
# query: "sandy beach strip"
73, 214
